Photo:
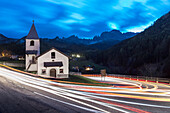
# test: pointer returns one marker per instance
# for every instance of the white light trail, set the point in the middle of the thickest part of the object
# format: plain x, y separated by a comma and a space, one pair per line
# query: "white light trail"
74, 93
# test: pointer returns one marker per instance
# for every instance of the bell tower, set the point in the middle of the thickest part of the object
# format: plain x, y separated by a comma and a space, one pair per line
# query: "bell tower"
32, 49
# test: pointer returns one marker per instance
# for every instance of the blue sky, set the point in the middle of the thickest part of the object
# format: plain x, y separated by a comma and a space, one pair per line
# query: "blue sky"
84, 18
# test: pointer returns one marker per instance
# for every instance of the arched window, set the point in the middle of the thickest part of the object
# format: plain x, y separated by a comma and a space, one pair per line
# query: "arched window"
52, 54
31, 43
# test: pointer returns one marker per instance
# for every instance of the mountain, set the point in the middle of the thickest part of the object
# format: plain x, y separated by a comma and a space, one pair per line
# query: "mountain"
129, 35
147, 53
21, 40
75, 40
72, 44
62, 45
4, 39
114, 35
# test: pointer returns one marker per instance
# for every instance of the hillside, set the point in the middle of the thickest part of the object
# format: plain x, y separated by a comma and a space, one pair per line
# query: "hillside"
69, 45
147, 53
4, 39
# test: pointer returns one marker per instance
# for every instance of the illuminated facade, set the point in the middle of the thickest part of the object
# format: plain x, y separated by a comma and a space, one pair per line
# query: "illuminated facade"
53, 63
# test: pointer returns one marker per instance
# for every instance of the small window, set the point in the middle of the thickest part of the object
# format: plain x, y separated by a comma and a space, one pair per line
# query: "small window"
33, 59
53, 55
31, 43
43, 71
61, 71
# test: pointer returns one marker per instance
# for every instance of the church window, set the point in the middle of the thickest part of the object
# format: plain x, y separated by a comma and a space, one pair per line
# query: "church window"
53, 55
33, 59
43, 71
61, 71
32, 43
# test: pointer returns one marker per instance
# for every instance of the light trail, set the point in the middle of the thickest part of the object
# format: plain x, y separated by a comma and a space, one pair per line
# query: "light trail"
97, 98
68, 103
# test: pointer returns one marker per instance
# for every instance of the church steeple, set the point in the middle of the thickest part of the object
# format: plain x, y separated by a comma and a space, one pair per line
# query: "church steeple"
32, 33
32, 49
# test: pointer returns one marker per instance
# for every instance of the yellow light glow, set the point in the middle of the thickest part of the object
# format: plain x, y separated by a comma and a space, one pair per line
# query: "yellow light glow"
78, 56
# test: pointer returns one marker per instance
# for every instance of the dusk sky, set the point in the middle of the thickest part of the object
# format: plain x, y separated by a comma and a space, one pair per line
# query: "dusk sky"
84, 18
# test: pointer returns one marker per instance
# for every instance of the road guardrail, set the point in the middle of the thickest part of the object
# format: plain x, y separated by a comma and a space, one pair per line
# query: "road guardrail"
134, 77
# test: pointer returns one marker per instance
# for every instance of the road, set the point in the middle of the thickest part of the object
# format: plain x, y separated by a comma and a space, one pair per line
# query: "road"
22, 93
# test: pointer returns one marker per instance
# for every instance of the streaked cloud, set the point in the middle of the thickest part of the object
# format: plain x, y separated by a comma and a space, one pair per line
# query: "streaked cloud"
85, 18
113, 25
139, 28
77, 16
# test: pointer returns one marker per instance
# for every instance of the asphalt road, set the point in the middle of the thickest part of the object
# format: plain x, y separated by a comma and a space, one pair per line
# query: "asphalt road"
20, 93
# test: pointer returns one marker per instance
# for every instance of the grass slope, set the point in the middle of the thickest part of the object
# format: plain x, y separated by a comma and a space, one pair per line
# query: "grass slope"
81, 79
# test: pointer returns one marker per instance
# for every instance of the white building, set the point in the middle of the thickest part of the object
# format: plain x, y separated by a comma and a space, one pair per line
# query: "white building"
52, 63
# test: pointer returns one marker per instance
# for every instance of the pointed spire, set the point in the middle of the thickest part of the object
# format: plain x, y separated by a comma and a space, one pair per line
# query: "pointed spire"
32, 33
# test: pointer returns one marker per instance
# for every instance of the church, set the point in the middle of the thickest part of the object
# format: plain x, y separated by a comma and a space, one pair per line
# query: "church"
52, 63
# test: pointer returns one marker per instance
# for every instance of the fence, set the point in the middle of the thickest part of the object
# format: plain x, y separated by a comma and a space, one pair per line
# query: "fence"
133, 77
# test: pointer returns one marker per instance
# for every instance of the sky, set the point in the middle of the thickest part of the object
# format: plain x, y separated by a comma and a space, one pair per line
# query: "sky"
83, 18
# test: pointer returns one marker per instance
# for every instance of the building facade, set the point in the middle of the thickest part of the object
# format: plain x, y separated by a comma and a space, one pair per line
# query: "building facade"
52, 63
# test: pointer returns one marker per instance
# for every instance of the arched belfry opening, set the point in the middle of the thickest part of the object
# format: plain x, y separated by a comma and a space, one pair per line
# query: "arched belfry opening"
32, 43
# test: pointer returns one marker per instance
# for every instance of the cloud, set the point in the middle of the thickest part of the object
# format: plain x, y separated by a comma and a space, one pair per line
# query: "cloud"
113, 25
139, 28
85, 18
166, 2
72, 3
77, 16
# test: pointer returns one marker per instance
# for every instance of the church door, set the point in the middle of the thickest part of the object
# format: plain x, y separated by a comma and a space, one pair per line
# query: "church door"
53, 73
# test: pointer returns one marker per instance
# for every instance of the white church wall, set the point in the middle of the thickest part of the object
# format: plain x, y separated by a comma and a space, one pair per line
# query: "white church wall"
35, 47
33, 67
58, 58
38, 65
58, 75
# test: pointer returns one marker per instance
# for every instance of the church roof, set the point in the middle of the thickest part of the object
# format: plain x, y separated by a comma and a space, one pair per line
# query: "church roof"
32, 33
54, 49
53, 64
